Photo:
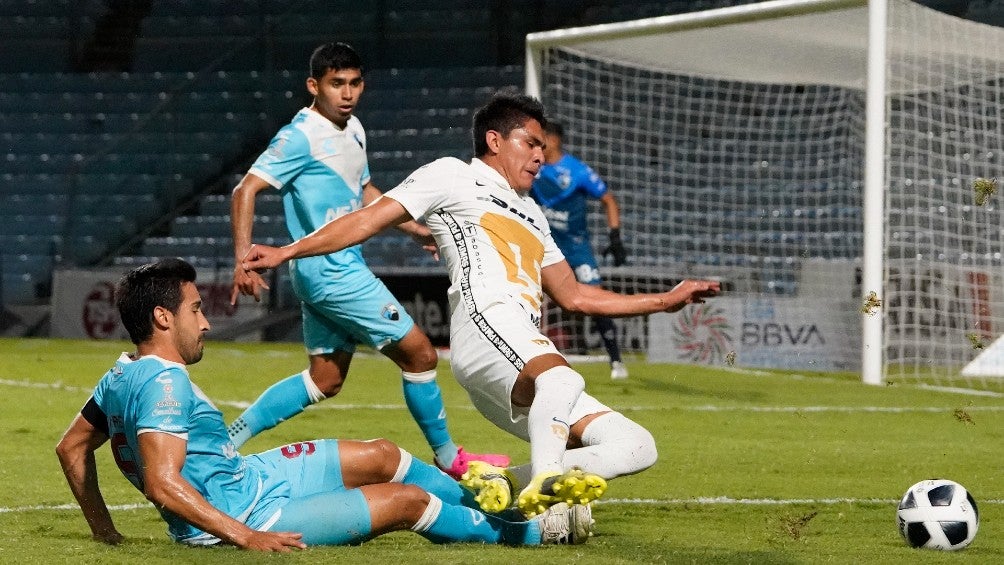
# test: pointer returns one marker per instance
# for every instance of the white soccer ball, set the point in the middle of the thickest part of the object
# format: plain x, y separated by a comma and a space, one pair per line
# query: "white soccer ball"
938, 514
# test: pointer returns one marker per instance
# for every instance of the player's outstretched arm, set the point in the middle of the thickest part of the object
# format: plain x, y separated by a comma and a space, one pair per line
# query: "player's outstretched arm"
76, 456
346, 231
690, 291
248, 283
560, 284
417, 231
163, 456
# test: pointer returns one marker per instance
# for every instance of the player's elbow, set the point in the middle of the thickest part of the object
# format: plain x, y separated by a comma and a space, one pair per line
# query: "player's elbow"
245, 188
574, 304
238, 190
64, 452
574, 308
68, 451
155, 495
157, 491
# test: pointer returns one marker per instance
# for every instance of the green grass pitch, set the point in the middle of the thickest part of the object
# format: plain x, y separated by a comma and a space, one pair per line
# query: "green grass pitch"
754, 467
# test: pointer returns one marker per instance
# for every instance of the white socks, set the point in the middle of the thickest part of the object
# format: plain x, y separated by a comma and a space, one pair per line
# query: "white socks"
556, 391
613, 446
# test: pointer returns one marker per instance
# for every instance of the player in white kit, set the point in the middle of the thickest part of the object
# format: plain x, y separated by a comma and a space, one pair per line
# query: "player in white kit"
501, 259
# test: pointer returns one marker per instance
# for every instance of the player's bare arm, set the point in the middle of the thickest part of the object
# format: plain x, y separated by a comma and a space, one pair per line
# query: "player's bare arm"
163, 456
346, 231
248, 283
417, 231
76, 457
560, 284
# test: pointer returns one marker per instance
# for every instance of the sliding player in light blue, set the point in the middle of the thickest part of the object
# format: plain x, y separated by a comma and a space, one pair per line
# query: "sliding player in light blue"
171, 443
561, 188
318, 163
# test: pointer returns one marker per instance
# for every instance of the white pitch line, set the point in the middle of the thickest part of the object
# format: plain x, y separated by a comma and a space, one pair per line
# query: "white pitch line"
52, 507
241, 404
727, 500
699, 501
704, 408
56, 385
891, 409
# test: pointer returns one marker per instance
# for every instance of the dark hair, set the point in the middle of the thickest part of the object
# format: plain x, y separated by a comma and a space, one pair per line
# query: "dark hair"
554, 128
504, 113
146, 287
336, 56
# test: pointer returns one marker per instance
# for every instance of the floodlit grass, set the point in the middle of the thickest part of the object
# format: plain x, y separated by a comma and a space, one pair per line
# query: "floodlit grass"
755, 467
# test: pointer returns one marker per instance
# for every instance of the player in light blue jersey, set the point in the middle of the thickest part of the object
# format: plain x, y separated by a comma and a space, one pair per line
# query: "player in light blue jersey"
562, 188
171, 443
318, 163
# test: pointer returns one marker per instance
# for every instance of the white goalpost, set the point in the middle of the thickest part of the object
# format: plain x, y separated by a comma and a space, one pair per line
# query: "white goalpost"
819, 156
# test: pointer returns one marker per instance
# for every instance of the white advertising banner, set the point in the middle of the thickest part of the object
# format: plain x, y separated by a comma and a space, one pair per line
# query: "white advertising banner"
83, 304
777, 333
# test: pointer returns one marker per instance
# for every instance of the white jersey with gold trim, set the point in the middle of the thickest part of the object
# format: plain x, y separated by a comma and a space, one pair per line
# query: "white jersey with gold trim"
494, 241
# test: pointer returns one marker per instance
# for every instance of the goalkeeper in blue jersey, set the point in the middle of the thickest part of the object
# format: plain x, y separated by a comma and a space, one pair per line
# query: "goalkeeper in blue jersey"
318, 164
171, 443
561, 188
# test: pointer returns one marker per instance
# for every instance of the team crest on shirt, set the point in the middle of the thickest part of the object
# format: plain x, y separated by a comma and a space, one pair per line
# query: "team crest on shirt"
564, 178
359, 140
390, 312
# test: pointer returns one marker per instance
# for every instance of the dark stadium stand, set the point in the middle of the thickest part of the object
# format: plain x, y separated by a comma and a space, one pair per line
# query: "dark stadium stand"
400, 139
125, 124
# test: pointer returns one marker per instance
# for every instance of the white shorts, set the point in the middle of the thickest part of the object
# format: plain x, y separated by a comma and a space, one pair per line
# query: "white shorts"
486, 356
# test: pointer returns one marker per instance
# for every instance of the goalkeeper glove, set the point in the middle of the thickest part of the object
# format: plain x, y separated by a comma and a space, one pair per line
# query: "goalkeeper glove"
616, 248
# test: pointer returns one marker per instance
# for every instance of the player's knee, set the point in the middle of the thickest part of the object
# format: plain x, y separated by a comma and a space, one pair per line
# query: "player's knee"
387, 454
411, 502
561, 376
642, 448
414, 353
634, 444
426, 359
423, 357
328, 380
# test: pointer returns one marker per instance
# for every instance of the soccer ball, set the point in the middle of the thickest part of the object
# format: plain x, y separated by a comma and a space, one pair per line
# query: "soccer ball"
938, 514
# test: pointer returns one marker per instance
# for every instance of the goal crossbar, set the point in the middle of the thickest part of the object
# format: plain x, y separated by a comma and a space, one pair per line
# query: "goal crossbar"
727, 36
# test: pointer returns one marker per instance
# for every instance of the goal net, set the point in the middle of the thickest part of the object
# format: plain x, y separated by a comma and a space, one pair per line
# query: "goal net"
749, 144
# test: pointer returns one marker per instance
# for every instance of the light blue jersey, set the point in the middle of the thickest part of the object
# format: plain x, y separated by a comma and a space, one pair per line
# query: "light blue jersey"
297, 487
321, 170
153, 395
561, 189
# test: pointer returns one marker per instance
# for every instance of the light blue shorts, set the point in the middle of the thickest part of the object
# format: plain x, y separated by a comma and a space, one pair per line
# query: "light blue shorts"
360, 310
319, 506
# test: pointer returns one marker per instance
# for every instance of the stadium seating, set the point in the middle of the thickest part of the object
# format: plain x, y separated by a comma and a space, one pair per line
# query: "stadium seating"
206, 82
408, 124
87, 165
986, 11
